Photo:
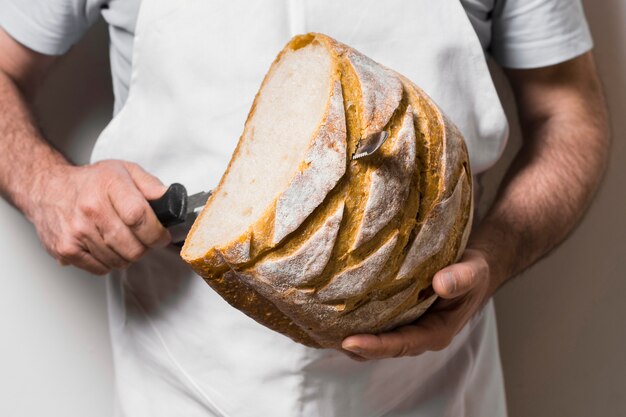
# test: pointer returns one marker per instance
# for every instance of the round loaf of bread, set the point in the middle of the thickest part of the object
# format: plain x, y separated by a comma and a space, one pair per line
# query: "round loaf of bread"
313, 244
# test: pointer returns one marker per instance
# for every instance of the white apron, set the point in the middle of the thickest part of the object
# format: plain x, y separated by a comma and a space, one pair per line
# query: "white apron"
179, 349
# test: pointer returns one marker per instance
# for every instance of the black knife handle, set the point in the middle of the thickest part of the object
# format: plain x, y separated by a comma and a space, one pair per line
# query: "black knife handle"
171, 208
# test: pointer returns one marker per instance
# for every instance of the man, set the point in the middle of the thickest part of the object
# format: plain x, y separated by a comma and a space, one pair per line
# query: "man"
177, 350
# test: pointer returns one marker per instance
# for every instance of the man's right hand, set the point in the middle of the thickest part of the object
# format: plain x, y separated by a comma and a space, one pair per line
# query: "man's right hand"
97, 217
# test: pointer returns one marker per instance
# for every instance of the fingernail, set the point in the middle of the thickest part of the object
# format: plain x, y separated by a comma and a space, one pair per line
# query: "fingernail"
354, 349
449, 283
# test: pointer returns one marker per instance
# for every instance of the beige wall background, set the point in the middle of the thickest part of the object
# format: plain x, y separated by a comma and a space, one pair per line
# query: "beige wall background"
562, 324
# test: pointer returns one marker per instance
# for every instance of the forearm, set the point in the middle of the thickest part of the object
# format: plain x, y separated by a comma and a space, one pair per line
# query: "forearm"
548, 187
96, 217
25, 155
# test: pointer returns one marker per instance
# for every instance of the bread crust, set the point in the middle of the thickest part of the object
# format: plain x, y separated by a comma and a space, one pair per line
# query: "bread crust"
323, 166
389, 183
381, 90
359, 278
304, 264
435, 231
352, 246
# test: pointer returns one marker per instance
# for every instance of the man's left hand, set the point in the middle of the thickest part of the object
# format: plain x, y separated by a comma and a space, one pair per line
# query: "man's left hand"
463, 289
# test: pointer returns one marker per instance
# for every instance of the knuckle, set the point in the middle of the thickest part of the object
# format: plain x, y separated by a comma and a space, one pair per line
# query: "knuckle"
108, 173
465, 277
108, 164
79, 230
68, 251
90, 207
410, 347
117, 238
112, 235
127, 165
403, 350
134, 216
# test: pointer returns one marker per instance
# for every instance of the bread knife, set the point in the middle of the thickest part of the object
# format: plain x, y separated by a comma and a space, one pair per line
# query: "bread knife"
370, 144
176, 210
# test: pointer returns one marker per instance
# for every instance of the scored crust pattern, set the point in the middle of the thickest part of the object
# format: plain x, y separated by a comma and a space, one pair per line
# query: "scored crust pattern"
359, 255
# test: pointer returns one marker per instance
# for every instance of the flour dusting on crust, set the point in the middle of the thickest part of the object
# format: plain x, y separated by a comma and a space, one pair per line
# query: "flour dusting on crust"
307, 262
435, 231
381, 91
389, 186
358, 279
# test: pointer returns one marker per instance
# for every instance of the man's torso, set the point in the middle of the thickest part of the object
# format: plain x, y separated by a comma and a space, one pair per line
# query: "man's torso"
121, 16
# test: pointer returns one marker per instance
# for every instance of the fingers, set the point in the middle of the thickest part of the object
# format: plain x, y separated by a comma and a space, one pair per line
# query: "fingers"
103, 253
149, 185
353, 356
103, 234
120, 239
87, 262
465, 282
133, 210
411, 340
74, 254
460, 278
386, 345
98, 218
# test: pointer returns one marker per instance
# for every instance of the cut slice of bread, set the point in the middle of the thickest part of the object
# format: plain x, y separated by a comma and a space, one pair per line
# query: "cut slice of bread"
291, 154
317, 246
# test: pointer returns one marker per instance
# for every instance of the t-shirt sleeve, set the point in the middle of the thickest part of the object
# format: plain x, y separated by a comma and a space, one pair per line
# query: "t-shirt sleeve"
49, 27
538, 33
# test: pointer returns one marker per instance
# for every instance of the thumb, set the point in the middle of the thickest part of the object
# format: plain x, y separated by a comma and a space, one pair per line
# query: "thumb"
149, 185
458, 279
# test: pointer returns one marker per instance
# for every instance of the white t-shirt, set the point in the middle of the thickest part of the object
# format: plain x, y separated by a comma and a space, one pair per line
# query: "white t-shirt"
517, 33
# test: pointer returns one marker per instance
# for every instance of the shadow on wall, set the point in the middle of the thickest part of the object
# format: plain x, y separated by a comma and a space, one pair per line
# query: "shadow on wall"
561, 326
